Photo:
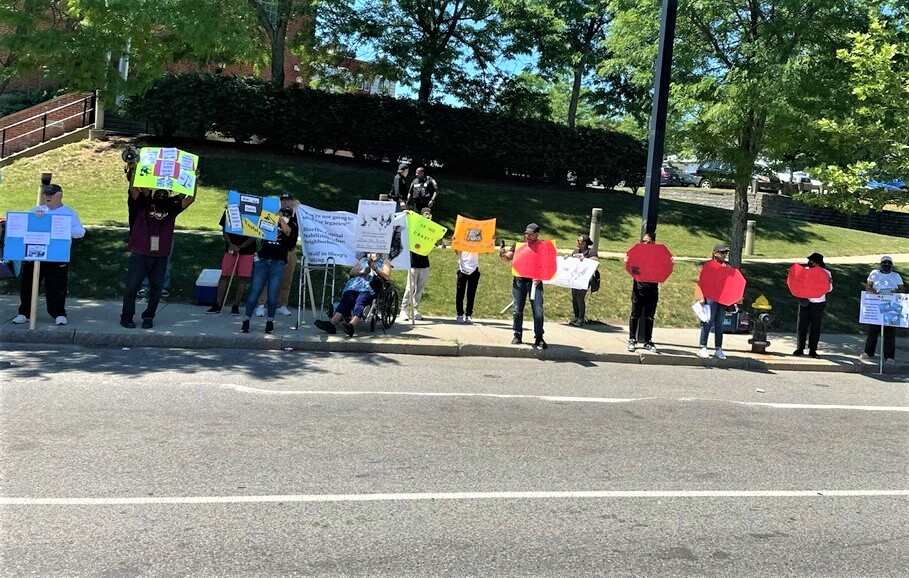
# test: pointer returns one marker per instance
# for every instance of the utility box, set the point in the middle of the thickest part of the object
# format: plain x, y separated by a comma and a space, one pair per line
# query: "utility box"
207, 286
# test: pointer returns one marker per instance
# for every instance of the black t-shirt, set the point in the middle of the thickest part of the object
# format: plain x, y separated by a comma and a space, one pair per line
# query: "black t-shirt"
278, 249
419, 261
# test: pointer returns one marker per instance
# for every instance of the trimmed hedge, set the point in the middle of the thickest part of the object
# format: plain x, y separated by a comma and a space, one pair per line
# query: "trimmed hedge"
463, 140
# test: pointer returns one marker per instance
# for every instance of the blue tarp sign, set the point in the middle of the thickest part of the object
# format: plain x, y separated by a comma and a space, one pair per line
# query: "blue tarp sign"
252, 216
33, 238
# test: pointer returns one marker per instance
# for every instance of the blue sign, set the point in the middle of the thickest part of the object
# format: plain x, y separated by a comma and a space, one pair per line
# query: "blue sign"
252, 216
33, 238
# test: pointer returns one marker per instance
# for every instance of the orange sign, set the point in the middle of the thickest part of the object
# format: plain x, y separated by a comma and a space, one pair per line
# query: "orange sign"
474, 236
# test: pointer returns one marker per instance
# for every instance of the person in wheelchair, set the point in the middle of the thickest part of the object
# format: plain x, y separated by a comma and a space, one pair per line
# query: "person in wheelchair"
366, 279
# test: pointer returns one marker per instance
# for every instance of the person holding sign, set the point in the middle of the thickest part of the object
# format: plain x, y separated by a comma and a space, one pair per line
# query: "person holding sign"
359, 291
721, 285
522, 287
236, 262
584, 250
150, 241
811, 311
54, 274
287, 202
416, 280
644, 298
268, 269
884, 281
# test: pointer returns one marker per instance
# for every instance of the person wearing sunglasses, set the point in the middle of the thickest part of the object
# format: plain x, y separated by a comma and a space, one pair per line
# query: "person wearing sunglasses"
883, 280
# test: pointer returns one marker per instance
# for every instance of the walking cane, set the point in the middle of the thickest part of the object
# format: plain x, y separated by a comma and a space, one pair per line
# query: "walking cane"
229, 283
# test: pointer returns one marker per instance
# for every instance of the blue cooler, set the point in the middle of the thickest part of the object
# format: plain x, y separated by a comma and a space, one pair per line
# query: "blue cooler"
207, 286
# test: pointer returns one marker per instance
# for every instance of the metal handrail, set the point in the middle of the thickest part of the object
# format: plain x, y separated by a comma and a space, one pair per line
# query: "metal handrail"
73, 103
87, 112
44, 127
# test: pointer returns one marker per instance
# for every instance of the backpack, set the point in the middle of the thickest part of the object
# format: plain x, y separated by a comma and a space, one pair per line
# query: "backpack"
595, 282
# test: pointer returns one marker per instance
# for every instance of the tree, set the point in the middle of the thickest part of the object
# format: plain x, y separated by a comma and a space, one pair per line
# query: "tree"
732, 63
429, 41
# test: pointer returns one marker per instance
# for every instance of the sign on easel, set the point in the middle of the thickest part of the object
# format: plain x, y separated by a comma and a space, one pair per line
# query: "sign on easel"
33, 238
888, 310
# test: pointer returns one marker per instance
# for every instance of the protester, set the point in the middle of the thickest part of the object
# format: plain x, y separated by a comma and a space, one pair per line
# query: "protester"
811, 312
468, 280
358, 292
237, 263
268, 270
883, 280
54, 273
150, 242
132, 210
423, 191
416, 280
287, 203
521, 288
398, 192
717, 312
644, 298
584, 250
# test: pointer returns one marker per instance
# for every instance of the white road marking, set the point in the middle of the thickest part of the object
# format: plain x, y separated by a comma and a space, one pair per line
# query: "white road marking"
402, 497
563, 398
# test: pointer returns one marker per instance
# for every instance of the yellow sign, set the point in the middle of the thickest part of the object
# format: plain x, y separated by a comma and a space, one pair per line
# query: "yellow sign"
474, 236
166, 168
422, 233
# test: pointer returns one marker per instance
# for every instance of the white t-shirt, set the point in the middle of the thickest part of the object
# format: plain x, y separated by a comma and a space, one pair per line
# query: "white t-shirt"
78, 231
885, 282
468, 262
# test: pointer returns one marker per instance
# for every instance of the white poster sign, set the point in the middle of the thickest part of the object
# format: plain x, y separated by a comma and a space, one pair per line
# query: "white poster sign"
891, 310
374, 226
573, 273
399, 252
327, 234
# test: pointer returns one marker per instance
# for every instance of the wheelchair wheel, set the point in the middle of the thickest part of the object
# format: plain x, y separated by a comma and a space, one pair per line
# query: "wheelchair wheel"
391, 306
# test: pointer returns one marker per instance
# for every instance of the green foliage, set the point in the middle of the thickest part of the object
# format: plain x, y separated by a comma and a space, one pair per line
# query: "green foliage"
464, 141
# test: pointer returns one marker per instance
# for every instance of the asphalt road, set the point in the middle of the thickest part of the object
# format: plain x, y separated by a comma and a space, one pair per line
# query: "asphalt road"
234, 463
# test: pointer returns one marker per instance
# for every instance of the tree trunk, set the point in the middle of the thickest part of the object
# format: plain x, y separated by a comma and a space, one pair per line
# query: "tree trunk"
739, 220
277, 55
575, 95
425, 84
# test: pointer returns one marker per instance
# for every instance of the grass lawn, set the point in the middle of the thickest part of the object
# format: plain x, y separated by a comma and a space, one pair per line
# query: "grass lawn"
91, 174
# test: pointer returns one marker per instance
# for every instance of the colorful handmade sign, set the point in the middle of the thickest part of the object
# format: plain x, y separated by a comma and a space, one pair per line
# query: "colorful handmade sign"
29, 237
649, 262
252, 215
891, 310
374, 226
474, 236
423, 233
167, 168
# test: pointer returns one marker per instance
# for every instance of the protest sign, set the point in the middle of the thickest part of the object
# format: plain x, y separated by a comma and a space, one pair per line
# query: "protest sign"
166, 168
252, 215
423, 233
807, 282
374, 226
29, 237
891, 310
574, 273
649, 262
327, 235
536, 260
398, 253
721, 283
474, 236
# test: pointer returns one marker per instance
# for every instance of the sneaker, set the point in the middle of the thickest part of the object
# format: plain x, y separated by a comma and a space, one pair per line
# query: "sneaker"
235, 310
459, 319
326, 326
468, 319
283, 310
798, 352
128, 323
348, 328
417, 316
147, 323
631, 344
60, 320
813, 354
244, 327
575, 322
165, 293
20, 319
260, 311
890, 361
538, 342
649, 346
516, 340
269, 326
862, 356
406, 316
703, 353
719, 353
142, 293
214, 309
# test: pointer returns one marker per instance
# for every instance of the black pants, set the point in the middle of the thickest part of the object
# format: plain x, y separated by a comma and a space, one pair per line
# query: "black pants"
643, 304
809, 324
579, 303
420, 202
874, 332
466, 284
55, 276
140, 267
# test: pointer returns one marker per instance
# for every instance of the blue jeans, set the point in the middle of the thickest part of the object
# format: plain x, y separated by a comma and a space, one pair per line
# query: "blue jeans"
520, 289
265, 272
717, 316
140, 267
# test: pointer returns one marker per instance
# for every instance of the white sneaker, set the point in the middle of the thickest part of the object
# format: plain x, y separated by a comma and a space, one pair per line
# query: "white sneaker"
260, 311
459, 319
20, 319
283, 310
468, 319
890, 361
703, 353
862, 356
417, 316
60, 320
719, 353
406, 316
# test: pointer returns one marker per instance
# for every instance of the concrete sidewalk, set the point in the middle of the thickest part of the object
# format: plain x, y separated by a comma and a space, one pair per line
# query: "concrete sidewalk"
177, 325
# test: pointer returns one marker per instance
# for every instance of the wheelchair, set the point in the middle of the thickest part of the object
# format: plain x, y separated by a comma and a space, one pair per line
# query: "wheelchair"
385, 308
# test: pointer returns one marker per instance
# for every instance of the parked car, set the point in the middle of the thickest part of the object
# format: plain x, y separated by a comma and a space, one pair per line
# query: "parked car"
717, 174
893, 186
798, 177
669, 177
689, 179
